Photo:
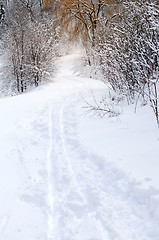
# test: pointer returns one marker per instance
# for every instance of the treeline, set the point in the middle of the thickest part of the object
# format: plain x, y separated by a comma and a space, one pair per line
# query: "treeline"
121, 39
29, 43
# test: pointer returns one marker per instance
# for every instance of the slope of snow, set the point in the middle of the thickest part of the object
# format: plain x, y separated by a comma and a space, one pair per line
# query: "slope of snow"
61, 172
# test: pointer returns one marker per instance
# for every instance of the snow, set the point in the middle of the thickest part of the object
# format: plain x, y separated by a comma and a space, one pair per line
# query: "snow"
131, 141
66, 175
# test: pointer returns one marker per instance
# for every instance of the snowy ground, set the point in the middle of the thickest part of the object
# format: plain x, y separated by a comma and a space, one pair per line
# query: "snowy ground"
67, 176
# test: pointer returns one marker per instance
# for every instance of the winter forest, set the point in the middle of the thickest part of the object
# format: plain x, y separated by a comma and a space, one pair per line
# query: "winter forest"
79, 124
120, 38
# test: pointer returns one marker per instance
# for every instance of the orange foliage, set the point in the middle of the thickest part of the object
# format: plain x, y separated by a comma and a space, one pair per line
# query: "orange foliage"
79, 16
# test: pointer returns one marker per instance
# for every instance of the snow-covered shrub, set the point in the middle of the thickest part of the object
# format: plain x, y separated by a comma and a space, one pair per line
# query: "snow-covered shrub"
128, 52
107, 105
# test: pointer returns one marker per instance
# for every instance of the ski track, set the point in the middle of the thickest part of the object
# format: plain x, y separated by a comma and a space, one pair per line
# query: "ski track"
50, 199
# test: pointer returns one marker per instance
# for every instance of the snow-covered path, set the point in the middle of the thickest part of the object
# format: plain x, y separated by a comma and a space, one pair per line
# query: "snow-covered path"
51, 186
